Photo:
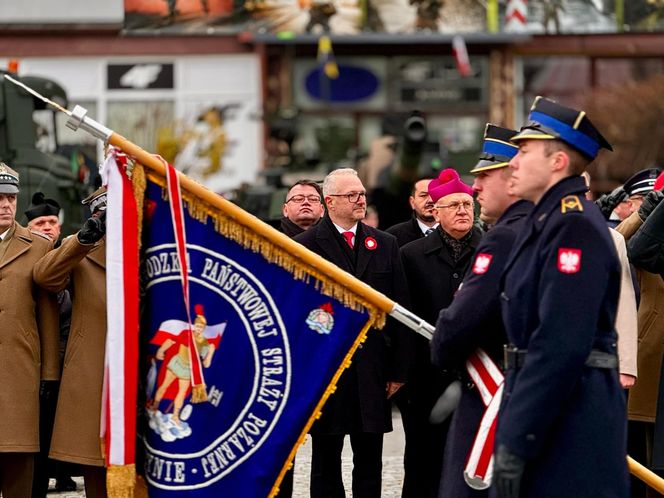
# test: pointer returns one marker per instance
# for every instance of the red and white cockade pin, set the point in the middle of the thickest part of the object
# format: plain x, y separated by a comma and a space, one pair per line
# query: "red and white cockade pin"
569, 260
482, 262
370, 243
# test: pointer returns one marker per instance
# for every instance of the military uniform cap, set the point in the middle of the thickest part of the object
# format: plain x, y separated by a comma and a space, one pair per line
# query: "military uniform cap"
96, 200
8, 180
641, 182
551, 121
42, 207
497, 150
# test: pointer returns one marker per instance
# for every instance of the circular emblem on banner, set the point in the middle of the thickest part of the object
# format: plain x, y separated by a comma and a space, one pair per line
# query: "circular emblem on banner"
237, 340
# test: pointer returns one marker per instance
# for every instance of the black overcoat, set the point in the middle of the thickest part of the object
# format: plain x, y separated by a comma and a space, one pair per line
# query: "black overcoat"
360, 403
406, 232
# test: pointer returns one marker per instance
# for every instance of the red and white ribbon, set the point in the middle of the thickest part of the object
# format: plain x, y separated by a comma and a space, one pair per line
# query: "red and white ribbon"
177, 215
118, 422
489, 381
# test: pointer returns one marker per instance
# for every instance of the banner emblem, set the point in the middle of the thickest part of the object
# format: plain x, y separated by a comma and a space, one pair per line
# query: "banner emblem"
321, 319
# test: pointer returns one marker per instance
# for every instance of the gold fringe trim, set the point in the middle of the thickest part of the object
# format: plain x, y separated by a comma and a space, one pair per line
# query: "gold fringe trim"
254, 241
120, 481
331, 388
139, 184
199, 394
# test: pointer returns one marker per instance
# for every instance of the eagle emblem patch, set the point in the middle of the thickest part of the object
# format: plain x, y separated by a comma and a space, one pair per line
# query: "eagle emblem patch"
482, 262
569, 260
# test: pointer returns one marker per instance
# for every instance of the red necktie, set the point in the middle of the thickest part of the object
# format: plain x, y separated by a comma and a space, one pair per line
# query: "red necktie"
349, 238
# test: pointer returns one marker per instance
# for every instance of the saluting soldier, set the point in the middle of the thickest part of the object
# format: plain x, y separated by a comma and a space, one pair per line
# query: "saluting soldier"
561, 429
28, 343
473, 320
80, 265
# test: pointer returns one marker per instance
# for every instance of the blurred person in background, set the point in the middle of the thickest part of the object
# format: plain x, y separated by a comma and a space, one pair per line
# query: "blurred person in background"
422, 221
642, 400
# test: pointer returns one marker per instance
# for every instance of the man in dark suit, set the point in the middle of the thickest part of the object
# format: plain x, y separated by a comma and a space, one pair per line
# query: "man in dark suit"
435, 266
422, 222
360, 407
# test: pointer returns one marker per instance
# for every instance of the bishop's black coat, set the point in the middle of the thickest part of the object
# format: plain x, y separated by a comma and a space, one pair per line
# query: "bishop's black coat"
433, 278
360, 403
559, 295
472, 321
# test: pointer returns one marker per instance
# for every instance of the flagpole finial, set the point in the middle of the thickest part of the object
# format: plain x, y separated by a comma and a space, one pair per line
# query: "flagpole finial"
78, 118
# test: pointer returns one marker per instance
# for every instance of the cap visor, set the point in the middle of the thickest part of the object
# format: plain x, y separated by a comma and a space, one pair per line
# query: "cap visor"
532, 134
486, 166
8, 189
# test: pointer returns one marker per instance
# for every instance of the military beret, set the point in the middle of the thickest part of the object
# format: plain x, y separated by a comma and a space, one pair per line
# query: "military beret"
497, 150
551, 121
42, 207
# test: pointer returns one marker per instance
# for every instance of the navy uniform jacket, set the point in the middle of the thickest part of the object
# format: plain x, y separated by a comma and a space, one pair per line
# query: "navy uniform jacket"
406, 232
360, 402
473, 320
559, 298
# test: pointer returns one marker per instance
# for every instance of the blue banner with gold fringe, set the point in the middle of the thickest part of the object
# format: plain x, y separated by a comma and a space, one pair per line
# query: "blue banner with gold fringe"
271, 346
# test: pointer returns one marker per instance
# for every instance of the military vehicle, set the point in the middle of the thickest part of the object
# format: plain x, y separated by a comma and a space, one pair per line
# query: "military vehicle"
38, 170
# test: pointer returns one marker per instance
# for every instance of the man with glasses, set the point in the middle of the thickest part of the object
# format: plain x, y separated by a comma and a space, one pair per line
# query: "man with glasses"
303, 208
435, 266
422, 221
473, 320
360, 407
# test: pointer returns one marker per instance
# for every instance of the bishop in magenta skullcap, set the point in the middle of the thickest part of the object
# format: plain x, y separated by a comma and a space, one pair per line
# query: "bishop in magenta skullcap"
448, 182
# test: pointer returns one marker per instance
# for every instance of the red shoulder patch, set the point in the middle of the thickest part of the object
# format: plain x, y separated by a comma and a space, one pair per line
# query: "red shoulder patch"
569, 260
482, 263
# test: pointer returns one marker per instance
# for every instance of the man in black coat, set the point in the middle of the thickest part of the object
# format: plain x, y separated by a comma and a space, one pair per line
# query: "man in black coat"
435, 266
303, 208
422, 221
473, 320
562, 426
360, 407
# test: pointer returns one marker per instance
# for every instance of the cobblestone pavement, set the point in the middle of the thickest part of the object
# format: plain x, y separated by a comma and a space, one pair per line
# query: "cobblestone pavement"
392, 467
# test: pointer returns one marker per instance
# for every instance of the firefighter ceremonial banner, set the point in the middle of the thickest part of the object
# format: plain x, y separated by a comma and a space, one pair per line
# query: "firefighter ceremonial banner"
262, 334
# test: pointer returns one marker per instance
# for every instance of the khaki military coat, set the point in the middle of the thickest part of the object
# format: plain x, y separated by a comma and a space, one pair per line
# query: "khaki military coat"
82, 269
28, 340
642, 403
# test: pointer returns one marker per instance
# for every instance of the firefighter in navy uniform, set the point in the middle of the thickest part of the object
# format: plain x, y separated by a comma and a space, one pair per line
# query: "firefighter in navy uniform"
473, 319
561, 429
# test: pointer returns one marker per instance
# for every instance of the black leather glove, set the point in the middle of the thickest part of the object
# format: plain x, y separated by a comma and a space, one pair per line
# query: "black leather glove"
507, 473
93, 229
650, 202
48, 391
608, 202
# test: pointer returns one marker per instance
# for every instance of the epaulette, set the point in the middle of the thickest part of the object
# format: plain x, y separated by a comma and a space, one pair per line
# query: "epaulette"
570, 204
41, 234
